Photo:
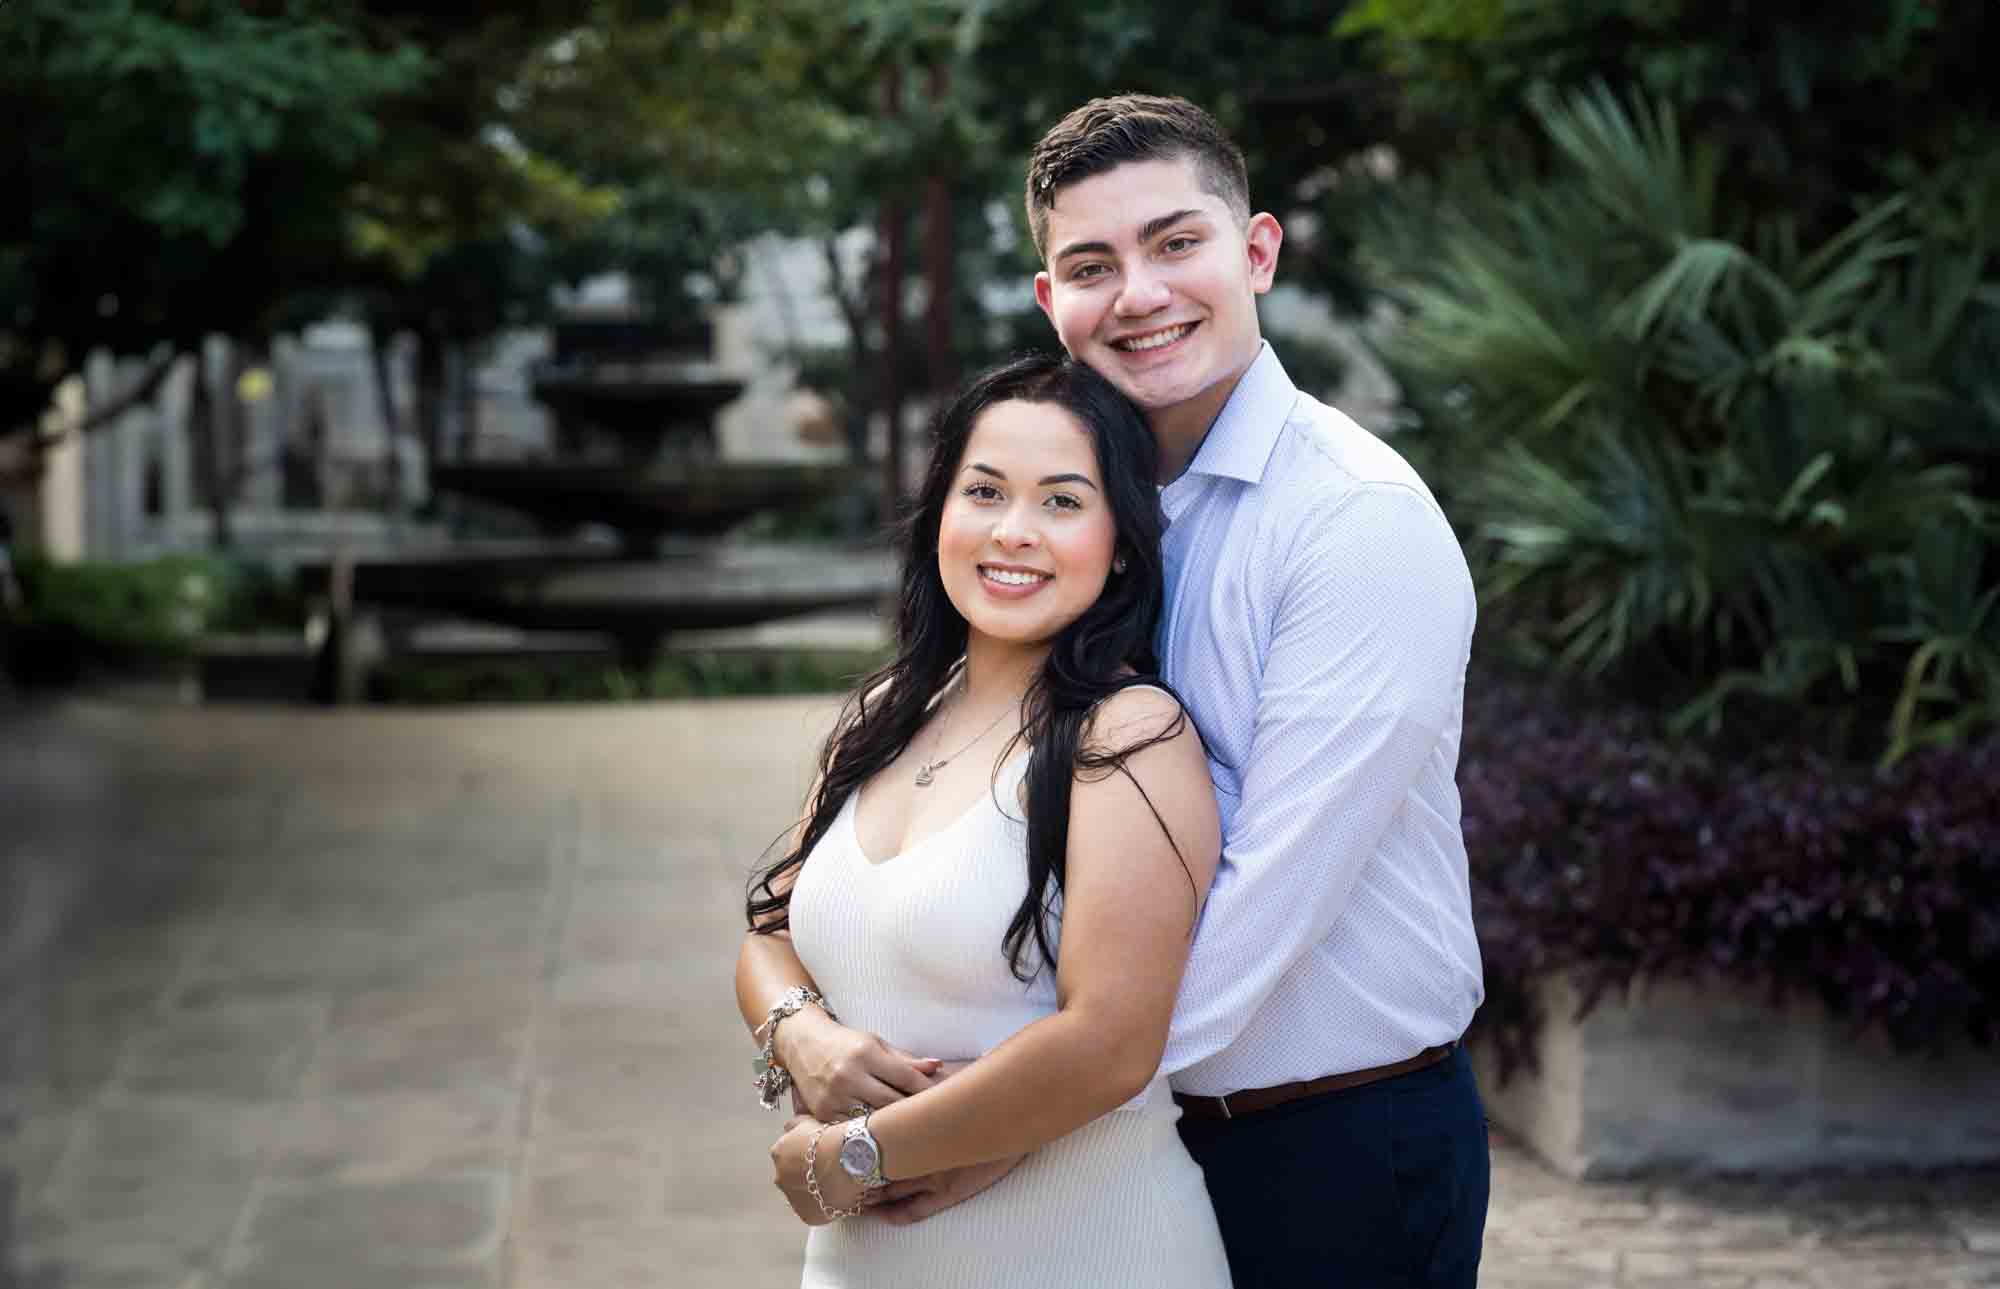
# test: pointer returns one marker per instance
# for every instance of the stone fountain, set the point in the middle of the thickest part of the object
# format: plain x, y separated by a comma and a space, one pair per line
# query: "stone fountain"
635, 452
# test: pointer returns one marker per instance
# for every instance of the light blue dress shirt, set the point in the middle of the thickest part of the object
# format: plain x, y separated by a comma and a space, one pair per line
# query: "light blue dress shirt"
1319, 619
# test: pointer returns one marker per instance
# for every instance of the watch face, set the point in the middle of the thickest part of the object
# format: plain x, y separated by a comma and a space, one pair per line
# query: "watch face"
857, 1156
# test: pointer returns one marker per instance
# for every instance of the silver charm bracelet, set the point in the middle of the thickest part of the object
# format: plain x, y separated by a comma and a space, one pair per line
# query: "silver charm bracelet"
774, 1080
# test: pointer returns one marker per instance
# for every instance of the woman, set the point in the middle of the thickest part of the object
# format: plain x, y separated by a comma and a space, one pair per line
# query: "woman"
1004, 858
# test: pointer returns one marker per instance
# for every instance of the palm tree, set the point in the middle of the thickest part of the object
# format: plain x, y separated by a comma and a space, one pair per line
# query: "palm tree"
1689, 454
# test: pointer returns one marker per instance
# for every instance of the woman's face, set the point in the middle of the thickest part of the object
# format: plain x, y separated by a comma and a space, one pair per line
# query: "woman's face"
1027, 535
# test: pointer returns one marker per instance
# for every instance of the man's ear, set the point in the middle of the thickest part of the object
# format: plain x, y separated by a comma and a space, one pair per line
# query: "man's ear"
1045, 297
1261, 240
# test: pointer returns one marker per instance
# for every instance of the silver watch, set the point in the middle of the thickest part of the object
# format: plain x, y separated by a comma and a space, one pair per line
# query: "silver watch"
861, 1154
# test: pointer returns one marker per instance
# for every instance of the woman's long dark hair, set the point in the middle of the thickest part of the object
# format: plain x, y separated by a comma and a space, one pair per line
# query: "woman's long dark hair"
1107, 648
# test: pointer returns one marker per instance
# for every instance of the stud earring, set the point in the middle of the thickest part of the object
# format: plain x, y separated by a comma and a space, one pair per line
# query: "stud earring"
1118, 564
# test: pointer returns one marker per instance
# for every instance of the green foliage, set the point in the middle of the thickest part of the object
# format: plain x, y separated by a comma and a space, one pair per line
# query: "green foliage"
1814, 100
156, 609
1697, 453
186, 164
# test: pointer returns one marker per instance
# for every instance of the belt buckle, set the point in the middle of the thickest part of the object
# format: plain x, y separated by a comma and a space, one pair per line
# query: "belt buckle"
1223, 1101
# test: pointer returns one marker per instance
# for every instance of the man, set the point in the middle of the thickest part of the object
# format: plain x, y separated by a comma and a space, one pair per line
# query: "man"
1318, 624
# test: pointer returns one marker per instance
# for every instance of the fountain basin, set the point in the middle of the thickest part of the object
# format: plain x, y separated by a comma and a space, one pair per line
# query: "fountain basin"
638, 602
701, 499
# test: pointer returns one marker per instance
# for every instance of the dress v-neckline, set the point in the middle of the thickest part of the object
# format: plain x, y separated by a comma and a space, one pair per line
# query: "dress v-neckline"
853, 812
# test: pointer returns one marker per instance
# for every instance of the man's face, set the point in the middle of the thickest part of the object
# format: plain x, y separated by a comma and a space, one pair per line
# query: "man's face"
1151, 281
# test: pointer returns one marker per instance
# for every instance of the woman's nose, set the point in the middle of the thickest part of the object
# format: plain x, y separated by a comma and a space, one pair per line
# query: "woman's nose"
1011, 531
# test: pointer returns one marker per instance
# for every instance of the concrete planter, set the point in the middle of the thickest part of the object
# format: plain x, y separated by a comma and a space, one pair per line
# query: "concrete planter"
1676, 1076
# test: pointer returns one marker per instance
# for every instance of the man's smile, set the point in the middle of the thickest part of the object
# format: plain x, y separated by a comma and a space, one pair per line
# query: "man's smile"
1151, 340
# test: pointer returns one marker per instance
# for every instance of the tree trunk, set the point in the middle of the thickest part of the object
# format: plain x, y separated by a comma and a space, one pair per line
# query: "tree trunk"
466, 390
938, 261
890, 390
392, 419
205, 437
430, 401
854, 311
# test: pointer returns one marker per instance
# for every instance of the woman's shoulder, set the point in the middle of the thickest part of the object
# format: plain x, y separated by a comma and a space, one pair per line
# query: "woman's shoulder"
1140, 711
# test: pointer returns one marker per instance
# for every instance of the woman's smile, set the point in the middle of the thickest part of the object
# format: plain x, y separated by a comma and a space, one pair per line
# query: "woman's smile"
1012, 583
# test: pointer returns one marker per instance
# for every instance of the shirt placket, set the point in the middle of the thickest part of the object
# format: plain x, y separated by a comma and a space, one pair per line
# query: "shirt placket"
1175, 502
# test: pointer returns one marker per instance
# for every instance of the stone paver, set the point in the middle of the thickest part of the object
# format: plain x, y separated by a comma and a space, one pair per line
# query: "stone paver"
441, 999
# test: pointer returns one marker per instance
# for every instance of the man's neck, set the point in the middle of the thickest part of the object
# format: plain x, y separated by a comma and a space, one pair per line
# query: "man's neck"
1178, 431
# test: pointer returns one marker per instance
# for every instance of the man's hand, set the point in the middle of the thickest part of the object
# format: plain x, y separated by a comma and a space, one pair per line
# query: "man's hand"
788, 1165
835, 1068
912, 1200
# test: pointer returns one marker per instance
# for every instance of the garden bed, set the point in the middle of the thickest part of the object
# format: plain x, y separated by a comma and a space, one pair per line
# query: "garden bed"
1709, 958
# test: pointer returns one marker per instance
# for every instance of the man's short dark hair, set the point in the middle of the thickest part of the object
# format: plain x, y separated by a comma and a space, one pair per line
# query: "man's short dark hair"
1107, 132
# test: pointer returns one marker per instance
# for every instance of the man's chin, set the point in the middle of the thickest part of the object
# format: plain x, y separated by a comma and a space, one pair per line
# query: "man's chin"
1160, 392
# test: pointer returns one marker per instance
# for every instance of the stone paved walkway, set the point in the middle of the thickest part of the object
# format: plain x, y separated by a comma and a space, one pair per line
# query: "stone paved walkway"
441, 1001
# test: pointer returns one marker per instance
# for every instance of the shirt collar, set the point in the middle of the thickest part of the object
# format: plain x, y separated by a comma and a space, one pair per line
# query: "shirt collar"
1239, 444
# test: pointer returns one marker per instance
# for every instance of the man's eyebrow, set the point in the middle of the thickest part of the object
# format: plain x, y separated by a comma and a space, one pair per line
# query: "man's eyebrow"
1147, 232
1083, 248
1154, 227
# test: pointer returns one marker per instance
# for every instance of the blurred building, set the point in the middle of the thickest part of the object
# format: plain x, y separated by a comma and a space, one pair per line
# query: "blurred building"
306, 449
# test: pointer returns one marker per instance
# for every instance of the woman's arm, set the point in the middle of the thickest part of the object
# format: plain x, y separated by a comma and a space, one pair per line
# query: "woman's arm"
1129, 908
832, 1066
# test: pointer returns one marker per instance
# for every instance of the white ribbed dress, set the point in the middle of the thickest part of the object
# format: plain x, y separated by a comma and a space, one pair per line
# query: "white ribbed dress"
909, 948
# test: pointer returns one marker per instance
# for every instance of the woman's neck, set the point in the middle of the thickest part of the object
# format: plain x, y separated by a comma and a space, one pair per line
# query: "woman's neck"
998, 671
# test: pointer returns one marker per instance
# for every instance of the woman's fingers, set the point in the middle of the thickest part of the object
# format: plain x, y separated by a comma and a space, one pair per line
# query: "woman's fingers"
907, 1074
843, 1100
836, 1068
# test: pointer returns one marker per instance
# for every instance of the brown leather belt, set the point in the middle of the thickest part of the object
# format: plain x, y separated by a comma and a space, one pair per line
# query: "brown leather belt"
1251, 1100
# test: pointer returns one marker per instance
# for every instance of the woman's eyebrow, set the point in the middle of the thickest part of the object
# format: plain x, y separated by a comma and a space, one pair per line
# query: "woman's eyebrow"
1069, 478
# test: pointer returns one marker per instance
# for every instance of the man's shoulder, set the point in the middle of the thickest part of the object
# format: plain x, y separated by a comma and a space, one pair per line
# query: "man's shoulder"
1323, 457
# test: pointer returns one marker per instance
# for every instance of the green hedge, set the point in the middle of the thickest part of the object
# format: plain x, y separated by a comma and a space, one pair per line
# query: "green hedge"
122, 615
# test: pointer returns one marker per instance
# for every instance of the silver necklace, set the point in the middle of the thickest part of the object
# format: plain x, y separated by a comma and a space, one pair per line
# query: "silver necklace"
927, 773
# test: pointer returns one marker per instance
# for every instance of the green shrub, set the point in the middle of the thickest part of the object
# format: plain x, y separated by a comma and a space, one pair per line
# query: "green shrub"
156, 609
84, 615
1696, 458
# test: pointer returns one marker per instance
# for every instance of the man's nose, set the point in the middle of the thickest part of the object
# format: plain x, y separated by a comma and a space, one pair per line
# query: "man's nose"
1142, 292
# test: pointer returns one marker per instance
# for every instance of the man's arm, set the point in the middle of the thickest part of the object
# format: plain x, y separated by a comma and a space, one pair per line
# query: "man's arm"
1365, 668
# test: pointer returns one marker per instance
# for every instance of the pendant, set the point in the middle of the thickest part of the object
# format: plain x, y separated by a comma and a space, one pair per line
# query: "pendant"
924, 777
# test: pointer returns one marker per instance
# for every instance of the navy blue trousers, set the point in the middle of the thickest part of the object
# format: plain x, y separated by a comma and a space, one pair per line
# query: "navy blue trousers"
1378, 1187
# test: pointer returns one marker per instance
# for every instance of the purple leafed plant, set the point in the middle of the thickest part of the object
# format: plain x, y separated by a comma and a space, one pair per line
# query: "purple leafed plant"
1601, 847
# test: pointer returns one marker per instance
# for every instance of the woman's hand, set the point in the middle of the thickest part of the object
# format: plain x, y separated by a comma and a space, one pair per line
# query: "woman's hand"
788, 1166
908, 1202
834, 1068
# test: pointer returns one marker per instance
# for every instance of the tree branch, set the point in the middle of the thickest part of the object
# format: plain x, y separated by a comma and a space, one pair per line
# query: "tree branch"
147, 386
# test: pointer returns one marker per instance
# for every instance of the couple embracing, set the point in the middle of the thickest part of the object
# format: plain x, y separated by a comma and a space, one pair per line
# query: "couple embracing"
1126, 939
